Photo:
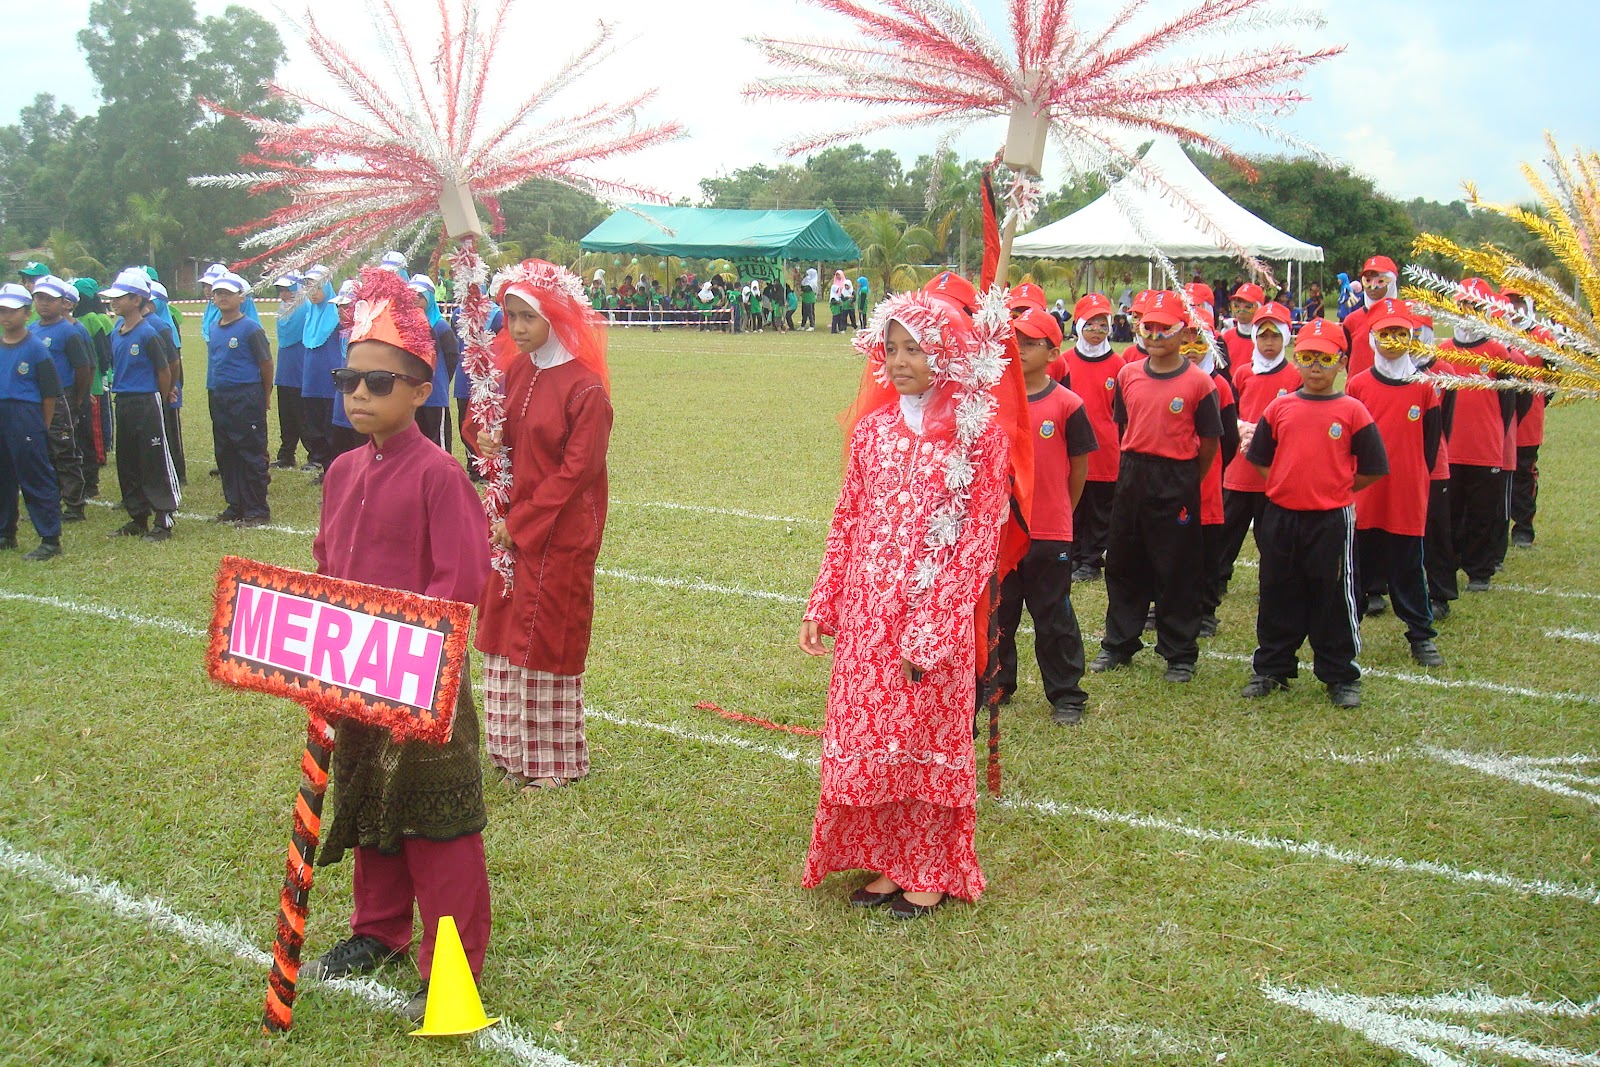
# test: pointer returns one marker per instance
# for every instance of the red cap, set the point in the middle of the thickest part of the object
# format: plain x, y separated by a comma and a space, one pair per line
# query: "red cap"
1025, 294
1201, 293
1322, 335
1142, 301
1251, 292
1037, 322
1380, 265
1272, 311
948, 285
1090, 306
1163, 307
1386, 313
1475, 289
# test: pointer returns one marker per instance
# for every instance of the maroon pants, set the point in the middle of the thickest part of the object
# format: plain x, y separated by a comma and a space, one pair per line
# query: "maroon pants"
443, 877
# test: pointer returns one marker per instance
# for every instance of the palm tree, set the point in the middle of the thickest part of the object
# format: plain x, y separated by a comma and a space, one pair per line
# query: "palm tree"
890, 250
957, 206
147, 222
69, 255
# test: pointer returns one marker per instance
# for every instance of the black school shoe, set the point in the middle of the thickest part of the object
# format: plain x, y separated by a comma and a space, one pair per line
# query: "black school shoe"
1179, 672
1441, 609
1345, 694
1376, 605
1108, 660
1067, 714
1478, 585
45, 551
866, 898
416, 1008
7, 543
1426, 653
131, 528
357, 954
1087, 573
904, 909
1262, 685
159, 534
1209, 625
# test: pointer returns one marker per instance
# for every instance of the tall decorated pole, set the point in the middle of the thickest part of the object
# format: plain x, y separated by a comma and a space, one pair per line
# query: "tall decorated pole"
394, 156
1092, 94
295, 901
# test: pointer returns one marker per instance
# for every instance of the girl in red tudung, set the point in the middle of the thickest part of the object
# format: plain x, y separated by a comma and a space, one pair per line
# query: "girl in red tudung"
534, 630
913, 544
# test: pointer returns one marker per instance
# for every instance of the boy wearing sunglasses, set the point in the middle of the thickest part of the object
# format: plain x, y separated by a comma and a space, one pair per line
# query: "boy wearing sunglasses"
1316, 448
400, 512
1167, 410
238, 387
1392, 515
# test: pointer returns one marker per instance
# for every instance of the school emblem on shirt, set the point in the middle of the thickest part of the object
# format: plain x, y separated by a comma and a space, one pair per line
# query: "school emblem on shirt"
1047, 428
1176, 406
233, 342
1283, 392
1414, 413
1336, 431
133, 350
1111, 384
48, 341
22, 368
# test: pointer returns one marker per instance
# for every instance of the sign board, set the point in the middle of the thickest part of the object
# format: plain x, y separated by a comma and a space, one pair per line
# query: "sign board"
383, 657
761, 268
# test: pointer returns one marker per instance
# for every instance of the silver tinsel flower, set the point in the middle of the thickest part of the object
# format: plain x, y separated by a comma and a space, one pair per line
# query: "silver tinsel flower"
923, 574
972, 415
958, 471
944, 528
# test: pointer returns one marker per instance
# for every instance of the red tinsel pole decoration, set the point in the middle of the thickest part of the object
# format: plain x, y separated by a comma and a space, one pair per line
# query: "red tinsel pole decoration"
293, 903
765, 724
486, 406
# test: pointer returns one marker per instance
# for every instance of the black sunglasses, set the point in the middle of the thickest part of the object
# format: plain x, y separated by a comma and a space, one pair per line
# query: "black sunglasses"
379, 382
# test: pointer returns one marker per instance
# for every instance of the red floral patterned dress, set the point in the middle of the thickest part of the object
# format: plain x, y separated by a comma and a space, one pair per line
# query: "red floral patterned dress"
899, 781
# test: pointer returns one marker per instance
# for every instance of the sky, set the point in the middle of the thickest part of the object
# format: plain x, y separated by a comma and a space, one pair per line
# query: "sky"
1429, 93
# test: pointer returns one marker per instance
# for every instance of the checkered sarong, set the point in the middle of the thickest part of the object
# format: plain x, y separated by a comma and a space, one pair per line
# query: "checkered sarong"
533, 720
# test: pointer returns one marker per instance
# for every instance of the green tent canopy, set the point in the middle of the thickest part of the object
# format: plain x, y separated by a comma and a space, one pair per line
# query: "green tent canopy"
722, 233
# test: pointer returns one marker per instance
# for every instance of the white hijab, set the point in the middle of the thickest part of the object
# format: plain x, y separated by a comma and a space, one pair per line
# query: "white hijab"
1258, 362
1088, 351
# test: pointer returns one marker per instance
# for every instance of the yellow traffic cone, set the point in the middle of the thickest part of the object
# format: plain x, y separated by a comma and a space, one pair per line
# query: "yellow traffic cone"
453, 1004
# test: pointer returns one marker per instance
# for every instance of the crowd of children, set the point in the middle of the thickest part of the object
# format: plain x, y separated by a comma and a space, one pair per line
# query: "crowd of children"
1366, 484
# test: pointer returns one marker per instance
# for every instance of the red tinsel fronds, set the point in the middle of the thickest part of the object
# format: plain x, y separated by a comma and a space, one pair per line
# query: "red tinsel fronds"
765, 724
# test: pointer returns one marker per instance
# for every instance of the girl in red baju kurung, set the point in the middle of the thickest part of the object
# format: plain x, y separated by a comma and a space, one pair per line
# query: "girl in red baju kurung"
535, 636
913, 544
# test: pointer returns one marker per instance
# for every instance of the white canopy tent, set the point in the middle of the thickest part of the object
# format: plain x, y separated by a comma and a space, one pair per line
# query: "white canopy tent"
1104, 229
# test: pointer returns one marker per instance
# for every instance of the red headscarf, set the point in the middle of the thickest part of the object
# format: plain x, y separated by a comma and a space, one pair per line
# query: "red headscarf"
558, 297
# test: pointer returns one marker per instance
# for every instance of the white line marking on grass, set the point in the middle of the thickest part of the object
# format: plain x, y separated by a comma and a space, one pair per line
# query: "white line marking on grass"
194, 517
1381, 1021
1428, 680
1575, 635
1529, 771
695, 585
503, 1037
703, 509
1588, 894
1542, 590
114, 614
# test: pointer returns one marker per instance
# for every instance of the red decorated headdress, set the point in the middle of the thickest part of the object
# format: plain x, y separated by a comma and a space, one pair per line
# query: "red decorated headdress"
557, 295
386, 310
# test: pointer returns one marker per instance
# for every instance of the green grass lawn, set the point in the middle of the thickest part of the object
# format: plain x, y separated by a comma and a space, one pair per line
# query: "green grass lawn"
1154, 873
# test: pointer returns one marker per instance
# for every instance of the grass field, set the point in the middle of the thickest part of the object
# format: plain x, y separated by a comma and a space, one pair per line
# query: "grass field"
1185, 878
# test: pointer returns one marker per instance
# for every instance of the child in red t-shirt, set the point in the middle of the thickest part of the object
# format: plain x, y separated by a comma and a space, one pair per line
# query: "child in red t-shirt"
1392, 514
1167, 410
1316, 448
1477, 436
1238, 339
1091, 368
1265, 374
1062, 441
1212, 536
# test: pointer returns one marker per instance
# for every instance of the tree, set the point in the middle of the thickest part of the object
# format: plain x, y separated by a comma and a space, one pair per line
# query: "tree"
147, 225
956, 211
890, 251
1327, 206
69, 256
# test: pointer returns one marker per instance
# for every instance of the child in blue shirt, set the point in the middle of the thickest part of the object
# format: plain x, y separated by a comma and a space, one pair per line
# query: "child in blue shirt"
238, 384
29, 389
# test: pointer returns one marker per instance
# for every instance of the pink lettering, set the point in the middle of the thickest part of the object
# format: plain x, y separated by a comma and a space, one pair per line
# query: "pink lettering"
286, 614
422, 665
372, 664
250, 630
328, 642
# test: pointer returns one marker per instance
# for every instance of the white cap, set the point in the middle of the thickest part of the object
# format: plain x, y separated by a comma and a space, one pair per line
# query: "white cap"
213, 272
395, 261
130, 281
13, 295
157, 289
317, 271
50, 285
422, 283
288, 281
231, 283
346, 293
